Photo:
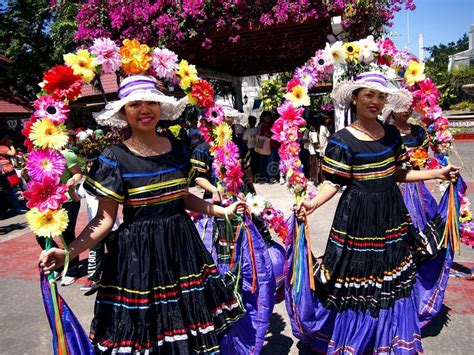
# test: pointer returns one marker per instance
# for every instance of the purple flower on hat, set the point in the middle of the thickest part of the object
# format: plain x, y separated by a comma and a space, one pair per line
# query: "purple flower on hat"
107, 54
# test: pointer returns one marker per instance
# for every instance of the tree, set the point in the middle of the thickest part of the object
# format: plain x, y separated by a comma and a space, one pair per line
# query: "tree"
449, 83
34, 35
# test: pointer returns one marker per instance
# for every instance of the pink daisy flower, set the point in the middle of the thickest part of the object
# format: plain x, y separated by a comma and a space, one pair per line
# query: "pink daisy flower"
47, 106
47, 194
321, 64
215, 114
107, 53
289, 113
228, 154
44, 162
164, 62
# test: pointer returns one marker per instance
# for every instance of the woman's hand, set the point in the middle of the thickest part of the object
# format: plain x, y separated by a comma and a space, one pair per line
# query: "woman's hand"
52, 259
216, 195
237, 208
304, 208
449, 172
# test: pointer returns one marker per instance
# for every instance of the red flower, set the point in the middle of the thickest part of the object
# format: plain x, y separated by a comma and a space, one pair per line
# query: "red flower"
233, 178
61, 83
26, 132
204, 94
292, 83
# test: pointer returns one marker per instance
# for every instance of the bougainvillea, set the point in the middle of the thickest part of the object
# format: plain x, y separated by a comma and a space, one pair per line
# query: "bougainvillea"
169, 22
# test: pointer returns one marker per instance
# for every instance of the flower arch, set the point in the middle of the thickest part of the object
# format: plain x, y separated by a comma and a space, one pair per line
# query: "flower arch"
46, 133
352, 58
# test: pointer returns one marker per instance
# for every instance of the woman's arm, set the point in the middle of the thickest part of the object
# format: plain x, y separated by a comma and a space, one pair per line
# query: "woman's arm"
206, 185
76, 178
446, 173
326, 193
96, 230
196, 204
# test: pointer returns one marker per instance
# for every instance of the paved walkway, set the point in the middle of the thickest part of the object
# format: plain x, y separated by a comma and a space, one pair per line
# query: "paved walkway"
25, 329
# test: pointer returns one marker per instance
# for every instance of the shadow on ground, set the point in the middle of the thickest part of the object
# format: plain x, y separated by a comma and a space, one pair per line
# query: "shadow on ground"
12, 227
436, 325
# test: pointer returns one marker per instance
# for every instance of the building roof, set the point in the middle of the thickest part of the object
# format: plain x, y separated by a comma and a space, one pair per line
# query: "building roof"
11, 103
109, 84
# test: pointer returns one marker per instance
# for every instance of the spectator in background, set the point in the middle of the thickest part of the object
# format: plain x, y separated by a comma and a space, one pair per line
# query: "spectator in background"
7, 154
264, 130
193, 133
250, 136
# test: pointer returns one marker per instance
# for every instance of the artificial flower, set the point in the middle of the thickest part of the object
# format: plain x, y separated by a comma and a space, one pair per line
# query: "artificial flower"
352, 51
292, 84
336, 52
233, 178
47, 106
255, 203
223, 134
26, 133
306, 76
175, 130
367, 48
215, 114
441, 124
322, 63
49, 223
203, 92
387, 50
42, 162
467, 233
135, 56
107, 54
418, 157
45, 134
227, 154
433, 163
401, 59
290, 113
82, 63
327, 107
205, 130
427, 94
298, 96
164, 62
49, 193
61, 82
187, 73
414, 72
465, 216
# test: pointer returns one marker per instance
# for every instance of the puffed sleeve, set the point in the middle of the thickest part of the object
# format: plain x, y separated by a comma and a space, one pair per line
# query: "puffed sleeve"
105, 178
201, 162
337, 165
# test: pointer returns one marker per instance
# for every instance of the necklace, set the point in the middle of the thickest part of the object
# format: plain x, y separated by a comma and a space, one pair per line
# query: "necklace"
356, 125
141, 149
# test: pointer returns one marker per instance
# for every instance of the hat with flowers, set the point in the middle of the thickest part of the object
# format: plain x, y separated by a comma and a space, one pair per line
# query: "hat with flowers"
139, 88
397, 98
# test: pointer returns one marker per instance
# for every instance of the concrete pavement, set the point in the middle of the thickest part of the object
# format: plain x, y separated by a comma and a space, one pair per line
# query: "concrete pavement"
25, 329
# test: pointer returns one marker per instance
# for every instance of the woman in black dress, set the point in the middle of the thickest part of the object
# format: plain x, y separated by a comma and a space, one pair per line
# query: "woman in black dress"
160, 292
366, 298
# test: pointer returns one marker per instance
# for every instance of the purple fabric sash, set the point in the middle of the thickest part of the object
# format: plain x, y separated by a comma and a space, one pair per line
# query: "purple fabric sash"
248, 334
76, 338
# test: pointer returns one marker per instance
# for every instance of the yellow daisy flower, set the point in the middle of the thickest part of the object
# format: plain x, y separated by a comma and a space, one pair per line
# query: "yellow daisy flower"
45, 134
465, 216
135, 56
50, 223
82, 64
223, 134
415, 72
298, 96
352, 50
187, 74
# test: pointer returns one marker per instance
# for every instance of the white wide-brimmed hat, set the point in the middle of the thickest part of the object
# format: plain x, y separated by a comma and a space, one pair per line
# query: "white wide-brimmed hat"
139, 88
237, 116
398, 98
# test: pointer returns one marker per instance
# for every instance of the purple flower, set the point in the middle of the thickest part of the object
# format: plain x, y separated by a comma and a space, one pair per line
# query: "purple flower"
107, 54
307, 76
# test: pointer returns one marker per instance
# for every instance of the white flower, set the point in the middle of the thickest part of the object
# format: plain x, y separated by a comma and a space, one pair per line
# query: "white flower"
256, 204
337, 52
367, 49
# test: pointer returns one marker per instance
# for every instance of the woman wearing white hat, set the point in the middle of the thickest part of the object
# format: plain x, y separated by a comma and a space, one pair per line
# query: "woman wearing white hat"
160, 291
366, 282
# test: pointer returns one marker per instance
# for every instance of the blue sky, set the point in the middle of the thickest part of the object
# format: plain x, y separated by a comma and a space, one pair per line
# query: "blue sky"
440, 21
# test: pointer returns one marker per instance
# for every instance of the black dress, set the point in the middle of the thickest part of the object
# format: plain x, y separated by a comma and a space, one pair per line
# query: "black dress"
160, 290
